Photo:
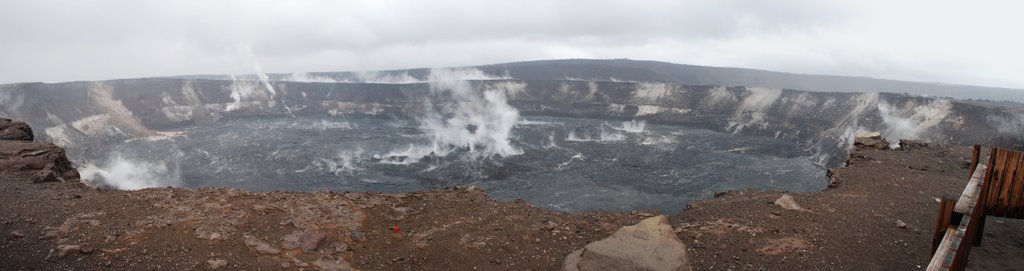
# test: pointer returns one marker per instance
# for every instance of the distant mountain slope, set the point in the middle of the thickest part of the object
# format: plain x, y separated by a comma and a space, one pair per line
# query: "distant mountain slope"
636, 70
664, 72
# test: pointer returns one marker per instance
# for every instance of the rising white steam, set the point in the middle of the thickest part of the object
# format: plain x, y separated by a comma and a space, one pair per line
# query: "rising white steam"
246, 92
606, 135
603, 136
349, 159
125, 174
346, 163
10, 103
265, 80
849, 136
241, 90
632, 126
459, 116
387, 78
551, 142
375, 77
912, 121
1009, 123
310, 78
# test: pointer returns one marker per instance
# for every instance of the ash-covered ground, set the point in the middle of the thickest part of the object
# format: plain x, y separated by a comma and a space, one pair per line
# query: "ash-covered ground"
567, 164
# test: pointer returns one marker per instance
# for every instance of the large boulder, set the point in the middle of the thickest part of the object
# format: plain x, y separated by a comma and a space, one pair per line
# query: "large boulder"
648, 245
45, 161
870, 140
15, 130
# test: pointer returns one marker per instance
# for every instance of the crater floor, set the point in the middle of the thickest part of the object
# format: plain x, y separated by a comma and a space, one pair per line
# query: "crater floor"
565, 164
66, 225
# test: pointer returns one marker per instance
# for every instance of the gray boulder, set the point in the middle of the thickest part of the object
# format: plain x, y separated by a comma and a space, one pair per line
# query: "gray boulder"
648, 245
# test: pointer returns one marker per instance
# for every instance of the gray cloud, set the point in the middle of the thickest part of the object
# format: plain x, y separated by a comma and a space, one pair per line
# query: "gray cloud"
923, 41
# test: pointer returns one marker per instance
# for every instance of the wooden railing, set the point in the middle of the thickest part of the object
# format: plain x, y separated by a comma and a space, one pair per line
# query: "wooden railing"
993, 190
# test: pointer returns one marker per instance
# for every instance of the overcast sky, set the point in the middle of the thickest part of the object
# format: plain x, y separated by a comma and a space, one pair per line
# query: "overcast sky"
963, 42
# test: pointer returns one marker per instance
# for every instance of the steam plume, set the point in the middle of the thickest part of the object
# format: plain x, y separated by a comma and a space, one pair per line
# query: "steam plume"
461, 117
126, 174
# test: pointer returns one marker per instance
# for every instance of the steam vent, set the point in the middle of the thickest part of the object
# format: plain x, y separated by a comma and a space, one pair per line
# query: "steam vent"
543, 165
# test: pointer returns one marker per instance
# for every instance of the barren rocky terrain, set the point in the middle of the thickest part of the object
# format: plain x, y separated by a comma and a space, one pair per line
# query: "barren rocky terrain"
877, 215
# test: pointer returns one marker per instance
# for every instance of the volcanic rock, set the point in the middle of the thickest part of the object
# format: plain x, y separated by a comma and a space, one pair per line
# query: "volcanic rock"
54, 232
260, 246
906, 144
15, 130
308, 240
787, 202
648, 245
332, 265
870, 140
549, 225
45, 175
44, 157
64, 250
216, 263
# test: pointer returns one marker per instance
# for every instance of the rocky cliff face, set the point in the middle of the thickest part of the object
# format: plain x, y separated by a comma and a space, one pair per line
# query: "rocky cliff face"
83, 114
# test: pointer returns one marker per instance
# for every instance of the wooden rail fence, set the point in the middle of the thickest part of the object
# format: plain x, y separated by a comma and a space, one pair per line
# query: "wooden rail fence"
995, 189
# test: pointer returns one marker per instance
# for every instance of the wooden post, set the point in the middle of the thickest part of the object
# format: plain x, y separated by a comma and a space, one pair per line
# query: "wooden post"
979, 230
943, 221
989, 185
975, 160
986, 185
975, 155
959, 225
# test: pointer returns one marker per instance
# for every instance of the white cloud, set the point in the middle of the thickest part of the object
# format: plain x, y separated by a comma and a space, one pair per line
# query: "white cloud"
941, 41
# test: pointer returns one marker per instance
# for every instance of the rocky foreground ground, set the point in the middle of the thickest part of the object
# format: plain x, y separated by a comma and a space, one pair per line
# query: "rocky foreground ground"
877, 215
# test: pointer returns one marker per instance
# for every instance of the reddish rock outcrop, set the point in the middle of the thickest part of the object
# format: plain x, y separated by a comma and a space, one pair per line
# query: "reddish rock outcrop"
44, 161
